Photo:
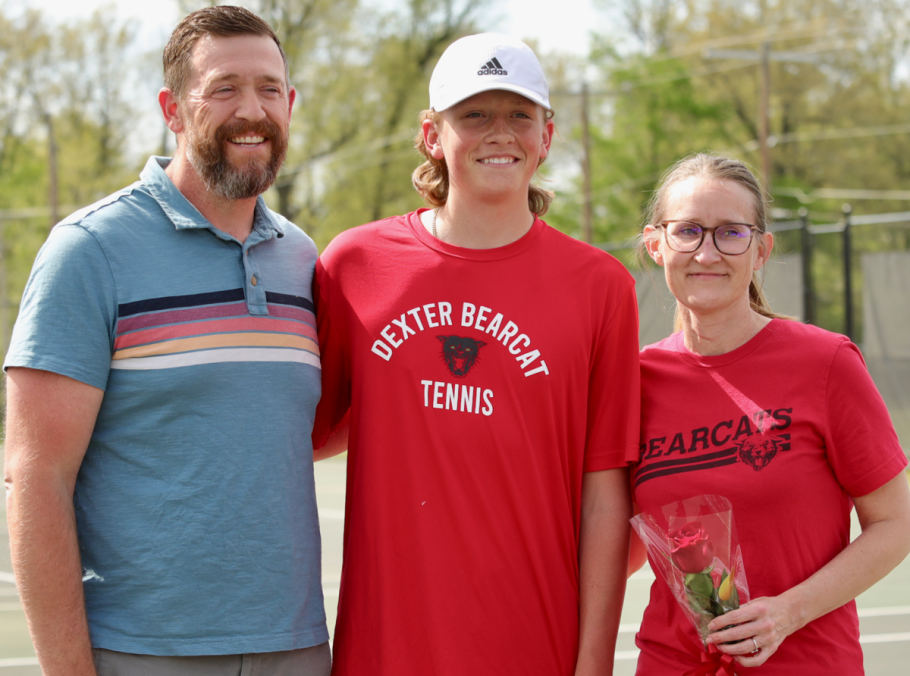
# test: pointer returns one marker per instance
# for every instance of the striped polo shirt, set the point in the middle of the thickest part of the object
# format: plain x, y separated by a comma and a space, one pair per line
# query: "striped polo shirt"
195, 503
207, 328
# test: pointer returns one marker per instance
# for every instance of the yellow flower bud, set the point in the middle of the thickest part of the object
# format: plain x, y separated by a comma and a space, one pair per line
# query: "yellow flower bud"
726, 588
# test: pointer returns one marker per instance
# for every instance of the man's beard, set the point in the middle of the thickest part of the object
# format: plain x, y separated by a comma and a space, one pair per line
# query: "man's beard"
209, 158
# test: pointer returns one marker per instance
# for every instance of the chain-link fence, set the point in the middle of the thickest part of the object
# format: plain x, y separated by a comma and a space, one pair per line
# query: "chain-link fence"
851, 276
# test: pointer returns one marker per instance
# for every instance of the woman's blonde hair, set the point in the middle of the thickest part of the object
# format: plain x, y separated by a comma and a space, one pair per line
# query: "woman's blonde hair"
431, 179
712, 165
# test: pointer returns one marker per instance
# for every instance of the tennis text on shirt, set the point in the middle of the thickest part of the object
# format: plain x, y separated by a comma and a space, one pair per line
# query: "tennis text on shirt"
459, 352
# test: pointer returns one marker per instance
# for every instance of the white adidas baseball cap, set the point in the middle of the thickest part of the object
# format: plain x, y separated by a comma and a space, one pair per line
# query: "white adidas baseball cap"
483, 62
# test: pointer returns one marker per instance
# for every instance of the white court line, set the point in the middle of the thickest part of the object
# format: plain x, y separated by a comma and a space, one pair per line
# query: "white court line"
885, 638
883, 612
19, 662
623, 628
626, 655
864, 612
870, 638
618, 655
644, 574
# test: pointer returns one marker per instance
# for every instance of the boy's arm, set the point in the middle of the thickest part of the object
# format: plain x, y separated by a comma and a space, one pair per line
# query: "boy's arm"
603, 556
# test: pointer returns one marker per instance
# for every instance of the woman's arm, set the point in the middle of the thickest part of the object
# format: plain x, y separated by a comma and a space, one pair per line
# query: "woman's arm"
884, 515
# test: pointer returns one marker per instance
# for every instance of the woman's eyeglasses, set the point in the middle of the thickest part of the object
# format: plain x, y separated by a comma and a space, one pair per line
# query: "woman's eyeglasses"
732, 239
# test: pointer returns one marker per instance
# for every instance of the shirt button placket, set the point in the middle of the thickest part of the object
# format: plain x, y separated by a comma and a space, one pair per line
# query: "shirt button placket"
255, 293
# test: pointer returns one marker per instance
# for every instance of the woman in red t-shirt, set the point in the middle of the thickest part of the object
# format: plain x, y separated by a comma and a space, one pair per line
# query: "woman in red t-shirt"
781, 418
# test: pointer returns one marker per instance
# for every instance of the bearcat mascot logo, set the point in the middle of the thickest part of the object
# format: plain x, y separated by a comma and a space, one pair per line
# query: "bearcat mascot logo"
460, 354
757, 452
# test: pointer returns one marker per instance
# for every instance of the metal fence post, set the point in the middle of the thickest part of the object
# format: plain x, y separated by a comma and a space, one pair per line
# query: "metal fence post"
848, 274
806, 254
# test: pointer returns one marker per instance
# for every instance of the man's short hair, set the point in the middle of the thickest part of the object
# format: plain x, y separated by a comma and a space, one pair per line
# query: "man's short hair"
223, 21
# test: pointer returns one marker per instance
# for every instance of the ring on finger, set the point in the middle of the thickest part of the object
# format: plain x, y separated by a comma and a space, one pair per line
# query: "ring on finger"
755, 643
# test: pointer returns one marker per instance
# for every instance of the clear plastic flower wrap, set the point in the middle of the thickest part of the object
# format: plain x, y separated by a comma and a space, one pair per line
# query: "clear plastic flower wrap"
693, 546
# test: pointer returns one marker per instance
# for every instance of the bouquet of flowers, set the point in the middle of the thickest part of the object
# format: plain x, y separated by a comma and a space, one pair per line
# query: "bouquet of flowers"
693, 545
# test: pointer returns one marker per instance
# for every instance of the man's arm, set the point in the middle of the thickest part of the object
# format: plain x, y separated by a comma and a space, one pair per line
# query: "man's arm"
603, 556
49, 422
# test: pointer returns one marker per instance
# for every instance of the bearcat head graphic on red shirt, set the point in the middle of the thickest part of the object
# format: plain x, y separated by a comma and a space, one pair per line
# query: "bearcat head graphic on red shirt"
757, 451
459, 353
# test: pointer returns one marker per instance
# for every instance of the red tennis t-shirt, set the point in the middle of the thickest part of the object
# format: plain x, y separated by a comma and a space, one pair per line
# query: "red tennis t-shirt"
788, 426
482, 384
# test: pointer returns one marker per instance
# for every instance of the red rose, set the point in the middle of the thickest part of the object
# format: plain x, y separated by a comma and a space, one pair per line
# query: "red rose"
690, 549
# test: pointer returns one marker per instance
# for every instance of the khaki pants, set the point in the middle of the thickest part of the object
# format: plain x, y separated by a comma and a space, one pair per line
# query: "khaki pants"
315, 661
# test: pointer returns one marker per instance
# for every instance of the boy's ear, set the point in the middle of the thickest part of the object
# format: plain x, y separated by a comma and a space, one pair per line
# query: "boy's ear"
431, 139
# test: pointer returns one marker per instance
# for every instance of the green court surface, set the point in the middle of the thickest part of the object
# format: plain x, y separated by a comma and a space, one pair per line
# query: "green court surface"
884, 609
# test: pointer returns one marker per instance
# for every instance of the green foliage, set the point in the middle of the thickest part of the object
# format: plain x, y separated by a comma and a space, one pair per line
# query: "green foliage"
63, 86
834, 123
361, 74
354, 153
64, 121
361, 71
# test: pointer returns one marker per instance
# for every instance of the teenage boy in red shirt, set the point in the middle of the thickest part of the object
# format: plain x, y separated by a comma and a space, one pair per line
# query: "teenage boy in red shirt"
487, 365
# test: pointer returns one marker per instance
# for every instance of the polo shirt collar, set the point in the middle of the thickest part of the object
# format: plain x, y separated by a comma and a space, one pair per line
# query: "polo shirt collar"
181, 211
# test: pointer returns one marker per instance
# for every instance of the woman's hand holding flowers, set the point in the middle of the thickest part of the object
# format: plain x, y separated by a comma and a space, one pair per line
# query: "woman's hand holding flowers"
767, 620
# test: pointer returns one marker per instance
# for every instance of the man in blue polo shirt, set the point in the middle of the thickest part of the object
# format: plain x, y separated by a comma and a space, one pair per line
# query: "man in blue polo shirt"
162, 381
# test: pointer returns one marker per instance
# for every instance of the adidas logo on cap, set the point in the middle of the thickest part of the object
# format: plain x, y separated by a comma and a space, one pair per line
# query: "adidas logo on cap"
492, 67
474, 64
